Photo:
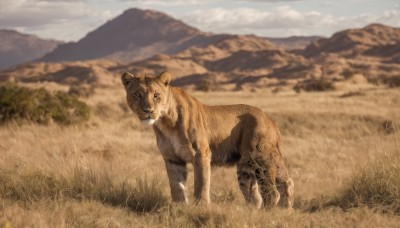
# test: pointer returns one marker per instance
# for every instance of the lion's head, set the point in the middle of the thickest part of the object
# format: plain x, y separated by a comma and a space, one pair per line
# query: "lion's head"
147, 95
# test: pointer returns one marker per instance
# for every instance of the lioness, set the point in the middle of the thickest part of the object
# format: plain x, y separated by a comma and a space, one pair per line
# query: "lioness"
188, 131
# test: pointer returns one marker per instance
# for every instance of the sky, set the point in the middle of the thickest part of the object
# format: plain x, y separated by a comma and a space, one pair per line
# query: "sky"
72, 20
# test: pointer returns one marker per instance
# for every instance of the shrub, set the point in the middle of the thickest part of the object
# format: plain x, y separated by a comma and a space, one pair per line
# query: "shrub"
376, 185
393, 81
347, 73
205, 85
40, 106
209, 83
352, 94
313, 85
81, 90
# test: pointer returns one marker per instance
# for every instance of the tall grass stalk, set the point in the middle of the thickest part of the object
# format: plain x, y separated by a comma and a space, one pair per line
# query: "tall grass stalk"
144, 195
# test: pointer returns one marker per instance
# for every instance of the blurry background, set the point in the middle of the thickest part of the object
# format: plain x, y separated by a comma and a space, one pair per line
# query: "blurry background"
207, 45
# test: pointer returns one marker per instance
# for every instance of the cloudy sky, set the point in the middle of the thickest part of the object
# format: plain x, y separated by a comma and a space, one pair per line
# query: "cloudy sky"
71, 20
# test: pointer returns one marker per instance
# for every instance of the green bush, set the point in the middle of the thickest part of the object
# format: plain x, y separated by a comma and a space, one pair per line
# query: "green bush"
40, 106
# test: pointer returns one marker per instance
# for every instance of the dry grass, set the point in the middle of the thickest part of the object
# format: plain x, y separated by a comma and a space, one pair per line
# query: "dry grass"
376, 185
108, 172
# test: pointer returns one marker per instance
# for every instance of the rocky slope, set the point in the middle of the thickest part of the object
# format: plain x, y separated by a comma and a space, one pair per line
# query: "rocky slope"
16, 48
134, 35
293, 42
349, 59
372, 40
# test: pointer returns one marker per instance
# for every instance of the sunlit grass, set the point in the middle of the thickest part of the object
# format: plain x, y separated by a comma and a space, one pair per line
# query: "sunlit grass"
141, 195
108, 172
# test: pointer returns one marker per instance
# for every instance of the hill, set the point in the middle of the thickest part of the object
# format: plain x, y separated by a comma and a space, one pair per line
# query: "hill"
350, 59
149, 42
134, 35
372, 40
16, 48
64, 75
293, 42
139, 34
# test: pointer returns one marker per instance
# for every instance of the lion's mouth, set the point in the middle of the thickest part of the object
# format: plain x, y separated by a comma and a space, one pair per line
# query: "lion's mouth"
146, 116
148, 119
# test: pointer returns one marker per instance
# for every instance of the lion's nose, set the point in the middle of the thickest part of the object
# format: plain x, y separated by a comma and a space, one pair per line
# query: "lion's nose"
148, 110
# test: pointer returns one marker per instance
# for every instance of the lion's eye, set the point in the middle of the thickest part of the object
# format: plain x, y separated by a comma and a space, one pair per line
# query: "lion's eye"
156, 95
137, 94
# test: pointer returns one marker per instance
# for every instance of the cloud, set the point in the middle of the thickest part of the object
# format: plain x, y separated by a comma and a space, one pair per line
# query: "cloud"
281, 21
63, 20
268, 1
169, 2
326, 4
71, 20
283, 17
192, 2
35, 13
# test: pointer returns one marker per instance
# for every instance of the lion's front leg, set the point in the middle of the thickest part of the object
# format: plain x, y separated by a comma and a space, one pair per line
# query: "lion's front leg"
177, 175
202, 173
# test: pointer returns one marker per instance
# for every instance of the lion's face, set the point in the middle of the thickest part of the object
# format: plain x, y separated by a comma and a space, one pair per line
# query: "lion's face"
147, 96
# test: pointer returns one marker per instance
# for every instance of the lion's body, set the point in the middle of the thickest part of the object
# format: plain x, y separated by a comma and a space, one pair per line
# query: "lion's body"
188, 131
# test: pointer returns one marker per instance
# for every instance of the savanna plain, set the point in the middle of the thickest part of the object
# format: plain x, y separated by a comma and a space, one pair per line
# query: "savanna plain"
342, 150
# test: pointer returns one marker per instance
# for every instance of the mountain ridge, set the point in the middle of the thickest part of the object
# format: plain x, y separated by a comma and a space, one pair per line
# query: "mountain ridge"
144, 32
16, 47
139, 34
356, 57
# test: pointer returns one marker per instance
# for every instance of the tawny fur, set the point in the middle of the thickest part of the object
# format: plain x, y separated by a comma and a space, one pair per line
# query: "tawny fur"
188, 131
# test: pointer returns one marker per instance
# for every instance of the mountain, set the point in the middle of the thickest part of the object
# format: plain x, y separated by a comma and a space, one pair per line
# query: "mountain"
373, 40
149, 42
134, 35
228, 63
348, 59
293, 42
97, 73
16, 48
139, 34
214, 57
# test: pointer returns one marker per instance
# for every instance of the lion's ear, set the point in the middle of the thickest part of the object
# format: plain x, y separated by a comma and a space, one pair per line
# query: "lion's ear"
165, 78
126, 78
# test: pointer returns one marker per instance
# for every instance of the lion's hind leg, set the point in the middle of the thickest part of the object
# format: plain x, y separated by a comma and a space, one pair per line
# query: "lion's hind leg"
248, 183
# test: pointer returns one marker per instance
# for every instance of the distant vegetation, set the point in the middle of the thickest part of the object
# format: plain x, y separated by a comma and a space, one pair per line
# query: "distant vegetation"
393, 81
40, 106
309, 85
81, 90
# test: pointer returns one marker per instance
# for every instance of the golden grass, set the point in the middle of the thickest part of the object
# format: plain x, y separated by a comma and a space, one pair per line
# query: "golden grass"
108, 172
377, 185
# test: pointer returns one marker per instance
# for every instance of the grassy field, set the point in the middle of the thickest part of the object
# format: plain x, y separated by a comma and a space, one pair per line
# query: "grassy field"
342, 151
